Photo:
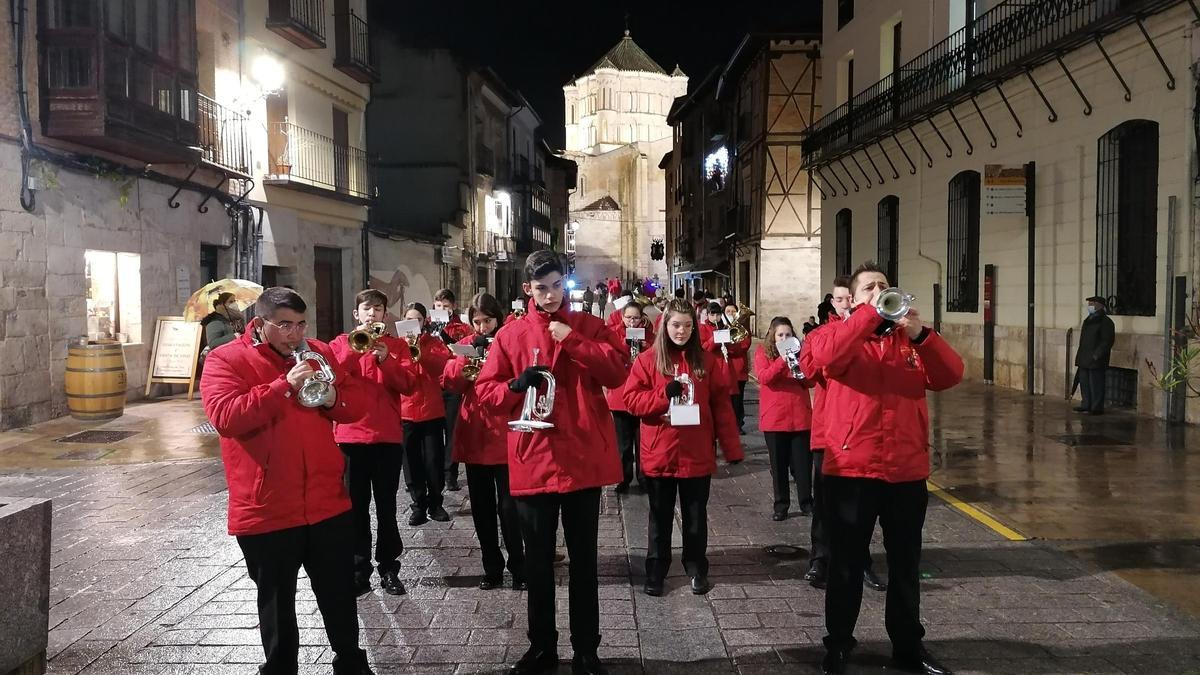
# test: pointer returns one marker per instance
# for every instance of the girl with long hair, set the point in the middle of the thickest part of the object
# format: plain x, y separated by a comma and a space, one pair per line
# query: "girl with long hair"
785, 418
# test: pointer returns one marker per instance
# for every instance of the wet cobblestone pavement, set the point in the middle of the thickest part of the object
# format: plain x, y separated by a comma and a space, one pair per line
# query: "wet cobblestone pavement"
145, 580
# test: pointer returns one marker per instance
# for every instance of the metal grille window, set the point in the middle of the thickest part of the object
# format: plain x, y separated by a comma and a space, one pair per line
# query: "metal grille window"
962, 243
1127, 217
843, 235
888, 241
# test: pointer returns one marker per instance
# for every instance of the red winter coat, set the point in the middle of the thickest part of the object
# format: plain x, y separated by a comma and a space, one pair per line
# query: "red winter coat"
457, 330
817, 375
481, 433
738, 351
783, 403
617, 317
878, 423
682, 452
616, 396
425, 403
281, 463
385, 383
581, 450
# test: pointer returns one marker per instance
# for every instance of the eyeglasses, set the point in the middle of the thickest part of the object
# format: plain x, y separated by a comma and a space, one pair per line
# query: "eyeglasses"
288, 326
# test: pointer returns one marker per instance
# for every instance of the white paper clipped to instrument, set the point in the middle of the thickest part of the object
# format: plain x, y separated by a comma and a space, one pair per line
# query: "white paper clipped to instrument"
635, 333
620, 302
684, 415
517, 304
721, 337
439, 316
463, 350
408, 327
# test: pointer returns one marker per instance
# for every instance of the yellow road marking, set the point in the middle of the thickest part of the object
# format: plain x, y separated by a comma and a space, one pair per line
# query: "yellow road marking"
976, 513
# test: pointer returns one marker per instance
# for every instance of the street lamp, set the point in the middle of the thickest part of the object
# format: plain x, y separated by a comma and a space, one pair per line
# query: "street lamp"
268, 72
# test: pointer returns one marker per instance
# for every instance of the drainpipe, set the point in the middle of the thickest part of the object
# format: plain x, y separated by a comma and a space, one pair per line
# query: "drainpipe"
937, 301
1168, 315
1031, 237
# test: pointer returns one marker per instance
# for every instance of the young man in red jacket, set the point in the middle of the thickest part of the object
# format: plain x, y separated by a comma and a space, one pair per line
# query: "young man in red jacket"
876, 463
373, 445
451, 332
288, 506
561, 469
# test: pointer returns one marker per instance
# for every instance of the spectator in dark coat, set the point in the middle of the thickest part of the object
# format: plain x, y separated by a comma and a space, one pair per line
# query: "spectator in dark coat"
1096, 339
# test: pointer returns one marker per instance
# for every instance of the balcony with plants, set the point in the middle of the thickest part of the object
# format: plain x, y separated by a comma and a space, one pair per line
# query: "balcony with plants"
304, 160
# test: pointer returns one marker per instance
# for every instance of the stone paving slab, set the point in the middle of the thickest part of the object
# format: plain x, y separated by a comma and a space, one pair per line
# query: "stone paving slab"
145, 581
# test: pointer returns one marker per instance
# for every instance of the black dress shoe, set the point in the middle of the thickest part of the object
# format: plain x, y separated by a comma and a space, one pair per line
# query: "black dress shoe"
872, 581
920, 661
362, 584
701, 584
806, 510
439, 514
519, 583
417, 517
587, 665
452, 484
490, 583
653, 587
779, 515
535, 661
621, 488
817, 574
835, 661
390, 580
1079, 408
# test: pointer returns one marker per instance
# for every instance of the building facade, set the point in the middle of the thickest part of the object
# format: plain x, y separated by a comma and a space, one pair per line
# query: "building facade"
1004, 161
617, 134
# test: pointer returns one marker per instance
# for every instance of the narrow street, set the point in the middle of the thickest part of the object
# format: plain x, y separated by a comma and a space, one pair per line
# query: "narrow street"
145, 580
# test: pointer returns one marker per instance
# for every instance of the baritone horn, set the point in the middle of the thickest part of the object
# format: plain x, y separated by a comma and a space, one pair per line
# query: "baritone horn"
894, 304
738, 330
537, 406
363, 339
317, 390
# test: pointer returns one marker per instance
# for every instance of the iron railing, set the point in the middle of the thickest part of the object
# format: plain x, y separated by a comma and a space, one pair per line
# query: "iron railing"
316, 160
223, 136
354, 41
308, 15
1012, 37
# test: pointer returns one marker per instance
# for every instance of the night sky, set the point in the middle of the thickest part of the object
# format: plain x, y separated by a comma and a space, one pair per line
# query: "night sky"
538, 46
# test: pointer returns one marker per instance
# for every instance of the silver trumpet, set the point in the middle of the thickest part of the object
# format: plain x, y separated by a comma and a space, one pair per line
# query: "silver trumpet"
689, 392
317, 390
893, 304
537, 407
789, 349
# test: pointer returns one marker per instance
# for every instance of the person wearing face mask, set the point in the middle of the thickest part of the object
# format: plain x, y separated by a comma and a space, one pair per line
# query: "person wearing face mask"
559, 470
480, 443
450, 332
876, 463
1096, 338
680, 460
219, 326
785, 418
288, 506
423, 416
626, 423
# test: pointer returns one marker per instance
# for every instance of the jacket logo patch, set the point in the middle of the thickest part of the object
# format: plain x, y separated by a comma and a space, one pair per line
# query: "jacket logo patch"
910, 358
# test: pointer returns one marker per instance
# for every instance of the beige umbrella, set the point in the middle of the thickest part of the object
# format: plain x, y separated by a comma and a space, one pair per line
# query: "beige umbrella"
245, 293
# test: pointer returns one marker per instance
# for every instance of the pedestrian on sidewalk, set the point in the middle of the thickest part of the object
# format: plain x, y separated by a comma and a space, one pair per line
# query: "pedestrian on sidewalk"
589, 298
453, 331
785, 418
877, 374
563, 468
1096, 338
679, 456
482, 444
423, 416
373, 445
626, 423
288, 506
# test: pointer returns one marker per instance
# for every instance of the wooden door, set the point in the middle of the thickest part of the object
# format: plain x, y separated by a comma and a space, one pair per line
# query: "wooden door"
341, 150
327, 271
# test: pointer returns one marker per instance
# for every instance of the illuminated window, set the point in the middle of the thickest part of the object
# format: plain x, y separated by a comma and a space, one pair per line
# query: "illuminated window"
716, 168
498, 214
114, 295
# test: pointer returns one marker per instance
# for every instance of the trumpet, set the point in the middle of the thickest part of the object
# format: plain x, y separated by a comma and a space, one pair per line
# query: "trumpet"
893, 304
317, 390
789, 349
518, 313
470, 372
363, 339
414, 348
642, 299
688, 397
537, 407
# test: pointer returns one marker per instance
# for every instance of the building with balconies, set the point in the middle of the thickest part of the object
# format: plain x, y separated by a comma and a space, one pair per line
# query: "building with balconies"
1006, 160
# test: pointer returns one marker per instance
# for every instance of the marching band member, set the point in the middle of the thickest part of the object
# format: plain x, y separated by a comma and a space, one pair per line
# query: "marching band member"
680, 459
739, 362
784, 418
288, 506
482, 444
560, 469
730, 355
372, 445
423, 416
877, 463
451, 332
627, 424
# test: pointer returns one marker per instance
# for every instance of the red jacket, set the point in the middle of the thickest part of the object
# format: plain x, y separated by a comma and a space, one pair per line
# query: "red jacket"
617, 317
457, 330
425, 403
386, 382
682, 452
281, 463
878, 425
615, 396
817, 375
581, 450
481, 433
783, 403
738, 351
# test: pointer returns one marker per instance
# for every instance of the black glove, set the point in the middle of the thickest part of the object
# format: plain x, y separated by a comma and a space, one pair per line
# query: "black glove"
526, 379
674, 389
479, 342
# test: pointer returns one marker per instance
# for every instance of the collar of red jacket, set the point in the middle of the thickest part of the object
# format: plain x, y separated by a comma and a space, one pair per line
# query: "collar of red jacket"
535, 313
251, 341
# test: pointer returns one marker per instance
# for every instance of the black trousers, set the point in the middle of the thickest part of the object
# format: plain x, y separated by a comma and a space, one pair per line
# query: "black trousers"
791, 459
539, 528
629, 444
820, 529
452, 401
693, 509
375, 469
1091, 383
739, 404
273, 561
853, 505
492, 505
424, 466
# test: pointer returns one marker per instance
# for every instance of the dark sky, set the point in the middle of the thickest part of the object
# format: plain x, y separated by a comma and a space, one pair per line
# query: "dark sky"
538, 46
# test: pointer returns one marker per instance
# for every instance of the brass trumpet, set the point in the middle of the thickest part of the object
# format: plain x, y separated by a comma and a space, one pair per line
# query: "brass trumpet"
470, 372
414, 348
363, 339
518, 313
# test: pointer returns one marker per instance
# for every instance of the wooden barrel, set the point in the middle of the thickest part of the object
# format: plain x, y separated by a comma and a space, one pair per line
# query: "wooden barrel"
95, 381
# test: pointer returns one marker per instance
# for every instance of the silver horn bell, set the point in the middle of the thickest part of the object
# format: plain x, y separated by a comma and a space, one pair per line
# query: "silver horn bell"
537, 407
893, 304
317, 390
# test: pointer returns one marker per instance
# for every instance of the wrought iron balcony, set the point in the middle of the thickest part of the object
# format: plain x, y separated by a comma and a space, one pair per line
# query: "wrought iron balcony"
485, 160
223, 137
305, 160
301, 22
354, 54
1013, 37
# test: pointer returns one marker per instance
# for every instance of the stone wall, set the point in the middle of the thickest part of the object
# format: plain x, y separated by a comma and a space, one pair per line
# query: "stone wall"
789, 282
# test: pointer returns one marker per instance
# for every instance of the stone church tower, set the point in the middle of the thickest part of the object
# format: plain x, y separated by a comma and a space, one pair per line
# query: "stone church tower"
617, 133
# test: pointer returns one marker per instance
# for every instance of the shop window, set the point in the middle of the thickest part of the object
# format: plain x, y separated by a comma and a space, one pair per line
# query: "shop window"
114, 295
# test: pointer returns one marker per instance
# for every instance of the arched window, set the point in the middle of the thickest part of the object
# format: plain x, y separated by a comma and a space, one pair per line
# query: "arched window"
1127, 217
843, 235
962, 243
888, 241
